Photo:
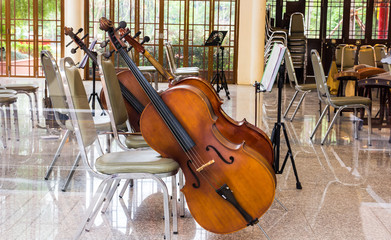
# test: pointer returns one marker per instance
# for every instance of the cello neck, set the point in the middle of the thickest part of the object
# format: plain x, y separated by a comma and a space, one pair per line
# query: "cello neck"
170, 120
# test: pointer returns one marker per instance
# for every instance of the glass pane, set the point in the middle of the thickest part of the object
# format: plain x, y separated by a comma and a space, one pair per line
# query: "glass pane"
381, 11
312, 19
358, 12
3, 63
334, 19
22, 38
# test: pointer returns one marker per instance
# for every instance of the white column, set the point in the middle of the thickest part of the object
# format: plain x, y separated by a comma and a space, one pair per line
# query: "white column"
251, 40
74, 17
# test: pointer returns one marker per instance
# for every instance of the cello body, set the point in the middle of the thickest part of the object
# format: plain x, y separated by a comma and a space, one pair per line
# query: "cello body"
234, 131
217, 163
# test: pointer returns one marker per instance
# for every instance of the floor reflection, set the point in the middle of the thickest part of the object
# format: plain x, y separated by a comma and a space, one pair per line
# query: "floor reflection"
346, 184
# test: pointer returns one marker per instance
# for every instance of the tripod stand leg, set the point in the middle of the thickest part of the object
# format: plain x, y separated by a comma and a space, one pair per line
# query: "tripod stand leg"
289, 154
224, 85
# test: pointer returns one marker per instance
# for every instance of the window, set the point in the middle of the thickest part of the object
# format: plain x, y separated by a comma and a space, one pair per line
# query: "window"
312, 18
358, 11
381, 9
334, 19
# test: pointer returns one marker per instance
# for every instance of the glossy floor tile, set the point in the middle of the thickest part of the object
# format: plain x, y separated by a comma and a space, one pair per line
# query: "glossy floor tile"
346, 183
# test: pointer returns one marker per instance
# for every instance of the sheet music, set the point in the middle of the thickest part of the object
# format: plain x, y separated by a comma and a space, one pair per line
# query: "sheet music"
272, 66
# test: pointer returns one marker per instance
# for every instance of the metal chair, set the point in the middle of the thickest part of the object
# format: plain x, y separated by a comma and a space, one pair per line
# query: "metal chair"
302, 88
297, 42
183, 71
348, 56
112, 167
380, 52
339, 103
8, 98
57, 97
366, 55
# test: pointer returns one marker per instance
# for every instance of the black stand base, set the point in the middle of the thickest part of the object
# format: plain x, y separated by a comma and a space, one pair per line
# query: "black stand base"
94, 94
219, 79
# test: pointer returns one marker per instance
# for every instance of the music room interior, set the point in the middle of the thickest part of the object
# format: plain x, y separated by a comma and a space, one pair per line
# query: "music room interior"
102, 104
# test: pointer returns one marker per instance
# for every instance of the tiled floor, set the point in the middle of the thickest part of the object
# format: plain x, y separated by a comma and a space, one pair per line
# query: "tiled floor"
346, 184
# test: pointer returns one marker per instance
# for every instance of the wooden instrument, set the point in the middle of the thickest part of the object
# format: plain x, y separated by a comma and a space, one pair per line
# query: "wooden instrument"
229, 128
228, 186
134, 98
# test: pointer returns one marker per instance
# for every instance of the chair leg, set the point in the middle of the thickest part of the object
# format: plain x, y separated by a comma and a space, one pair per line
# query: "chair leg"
8, 116
70, 175
163, 186
355, 123
62, 143
36, 106
331, 124
31, 106
298, 106
181, 196
369, 125
16, 122
3, 126
290, 104
319, 121
127, 183
174, 205
110, 195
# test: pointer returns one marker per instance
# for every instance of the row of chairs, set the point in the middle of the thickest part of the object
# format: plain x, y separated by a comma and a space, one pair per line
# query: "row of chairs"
370, 55
339, 103
65, 84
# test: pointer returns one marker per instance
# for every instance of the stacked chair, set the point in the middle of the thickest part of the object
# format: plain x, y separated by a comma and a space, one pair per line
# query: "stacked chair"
299, 88
175, 71
339, 103
273, 35
114, 166
297, 42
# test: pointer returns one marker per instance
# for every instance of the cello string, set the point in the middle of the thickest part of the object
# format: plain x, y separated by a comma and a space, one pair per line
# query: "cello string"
167, 117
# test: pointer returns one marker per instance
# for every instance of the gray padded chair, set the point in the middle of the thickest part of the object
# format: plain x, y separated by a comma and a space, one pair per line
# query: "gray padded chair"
348, 56
8, 98
57, 97
339, 103
299, 88
380, 52
112, 167
183, 71
367, 56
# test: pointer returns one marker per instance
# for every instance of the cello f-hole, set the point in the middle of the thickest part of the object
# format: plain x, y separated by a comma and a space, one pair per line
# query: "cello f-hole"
221, 156
195, 176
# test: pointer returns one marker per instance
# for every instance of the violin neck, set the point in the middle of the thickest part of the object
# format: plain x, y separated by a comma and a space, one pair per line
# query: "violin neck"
172, 123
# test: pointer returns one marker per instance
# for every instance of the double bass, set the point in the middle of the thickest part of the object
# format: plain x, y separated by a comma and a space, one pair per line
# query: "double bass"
228, 186
234, 131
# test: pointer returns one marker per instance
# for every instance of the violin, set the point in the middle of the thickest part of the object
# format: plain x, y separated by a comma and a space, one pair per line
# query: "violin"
228, 186
229, 128
134, 97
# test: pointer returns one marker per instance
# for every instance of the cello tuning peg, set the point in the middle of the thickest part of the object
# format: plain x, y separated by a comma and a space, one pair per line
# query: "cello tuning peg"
129, 48
121, 24
73, 50
108, 54
125, 34
79, 31
104, 43
84, 36
69, 44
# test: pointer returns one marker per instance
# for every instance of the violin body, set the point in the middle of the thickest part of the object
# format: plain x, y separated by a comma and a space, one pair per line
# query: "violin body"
128, 80
234, 131
212, 164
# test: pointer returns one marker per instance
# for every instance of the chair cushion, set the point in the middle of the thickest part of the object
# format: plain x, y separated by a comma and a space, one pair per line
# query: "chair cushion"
8, 98
144, 161
135, 141
101, 126
341, 101
8, 91
22, 87
306, 87
147, 68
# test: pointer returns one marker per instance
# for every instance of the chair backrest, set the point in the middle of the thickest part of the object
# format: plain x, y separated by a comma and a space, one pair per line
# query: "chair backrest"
112, 90
348, 56
366, 55
380, 49
53, 80
79, 109
170, 57
338, 54
290, 68
296, 25
320, 77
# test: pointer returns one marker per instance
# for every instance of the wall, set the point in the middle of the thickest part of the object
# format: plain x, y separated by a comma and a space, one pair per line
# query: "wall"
251, 40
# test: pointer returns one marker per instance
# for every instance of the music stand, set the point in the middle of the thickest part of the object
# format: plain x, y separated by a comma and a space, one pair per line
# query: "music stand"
215, 39
273, 68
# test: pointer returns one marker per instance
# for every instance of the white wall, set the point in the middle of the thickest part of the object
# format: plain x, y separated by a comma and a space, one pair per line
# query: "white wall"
74, 17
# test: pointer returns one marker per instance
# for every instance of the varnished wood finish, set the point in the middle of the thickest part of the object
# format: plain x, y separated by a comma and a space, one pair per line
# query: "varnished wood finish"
250, 176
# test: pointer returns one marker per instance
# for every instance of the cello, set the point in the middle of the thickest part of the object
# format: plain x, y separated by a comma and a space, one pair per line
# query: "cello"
228, 186
134, 98
229, 128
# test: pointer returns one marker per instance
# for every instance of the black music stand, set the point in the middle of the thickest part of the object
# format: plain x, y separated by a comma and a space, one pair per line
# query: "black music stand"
276, 133
93, 94
216, 39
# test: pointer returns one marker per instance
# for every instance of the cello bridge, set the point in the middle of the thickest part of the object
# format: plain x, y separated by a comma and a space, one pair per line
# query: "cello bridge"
205, 165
